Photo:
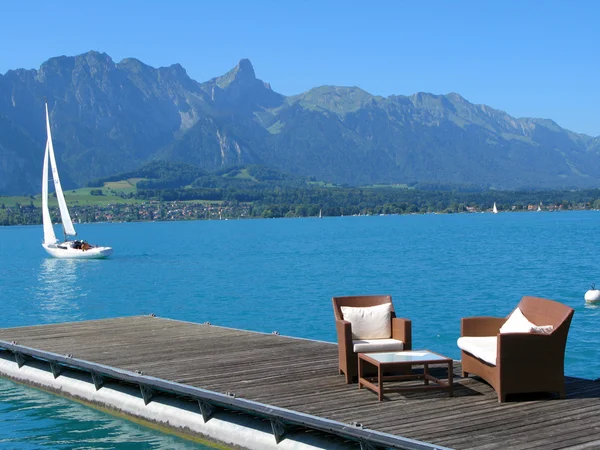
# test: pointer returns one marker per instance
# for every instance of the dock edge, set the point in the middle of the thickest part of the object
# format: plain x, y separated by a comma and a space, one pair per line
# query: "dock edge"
189, 410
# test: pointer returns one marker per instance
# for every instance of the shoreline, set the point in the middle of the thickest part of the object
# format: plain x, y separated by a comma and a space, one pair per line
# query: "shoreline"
304, 217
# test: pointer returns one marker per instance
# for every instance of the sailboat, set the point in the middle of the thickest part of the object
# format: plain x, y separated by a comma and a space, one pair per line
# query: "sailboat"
75, 249
320, 214
494, 209
540, 206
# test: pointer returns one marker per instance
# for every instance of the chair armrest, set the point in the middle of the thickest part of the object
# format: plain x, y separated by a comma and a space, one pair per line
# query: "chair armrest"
481, 326
528, 347
344, 332
402, 330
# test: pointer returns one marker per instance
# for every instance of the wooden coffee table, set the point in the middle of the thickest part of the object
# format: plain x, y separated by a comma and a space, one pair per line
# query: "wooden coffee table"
402, 362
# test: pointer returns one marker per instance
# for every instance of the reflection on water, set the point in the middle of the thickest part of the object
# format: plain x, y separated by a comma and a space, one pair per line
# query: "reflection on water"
60, 289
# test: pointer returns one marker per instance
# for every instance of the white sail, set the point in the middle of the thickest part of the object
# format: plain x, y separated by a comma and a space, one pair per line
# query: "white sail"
62, 204
495, 209
49, 236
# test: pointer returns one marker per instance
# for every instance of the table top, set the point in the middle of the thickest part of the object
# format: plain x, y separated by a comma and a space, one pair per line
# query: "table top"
412, 356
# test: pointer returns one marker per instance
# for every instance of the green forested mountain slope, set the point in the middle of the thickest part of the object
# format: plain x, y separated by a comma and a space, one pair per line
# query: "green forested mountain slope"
112, 117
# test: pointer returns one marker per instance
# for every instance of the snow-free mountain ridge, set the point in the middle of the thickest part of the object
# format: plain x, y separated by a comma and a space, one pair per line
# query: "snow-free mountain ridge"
112, 117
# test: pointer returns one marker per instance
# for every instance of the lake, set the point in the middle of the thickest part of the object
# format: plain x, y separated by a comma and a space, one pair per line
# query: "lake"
280, 275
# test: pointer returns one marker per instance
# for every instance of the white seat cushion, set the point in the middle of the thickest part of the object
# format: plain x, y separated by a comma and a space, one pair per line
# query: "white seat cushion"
377, 345
482, 347
369, 322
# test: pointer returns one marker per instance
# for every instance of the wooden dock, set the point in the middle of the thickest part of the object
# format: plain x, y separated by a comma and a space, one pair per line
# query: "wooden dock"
302, 375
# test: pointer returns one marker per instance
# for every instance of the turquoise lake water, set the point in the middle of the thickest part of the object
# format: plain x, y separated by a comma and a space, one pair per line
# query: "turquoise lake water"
268, 275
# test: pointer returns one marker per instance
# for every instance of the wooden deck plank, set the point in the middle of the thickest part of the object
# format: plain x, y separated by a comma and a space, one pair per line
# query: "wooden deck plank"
302, 375
559, 434
502, 417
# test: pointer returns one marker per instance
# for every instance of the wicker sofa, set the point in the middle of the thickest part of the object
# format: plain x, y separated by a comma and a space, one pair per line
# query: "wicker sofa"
514, 357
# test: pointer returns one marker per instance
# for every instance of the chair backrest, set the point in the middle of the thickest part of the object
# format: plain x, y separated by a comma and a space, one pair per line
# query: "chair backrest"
541, 311
359, 301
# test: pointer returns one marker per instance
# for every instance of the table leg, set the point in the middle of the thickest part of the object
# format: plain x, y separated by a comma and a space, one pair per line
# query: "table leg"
426, 373
380, 382
360, 372
451, 378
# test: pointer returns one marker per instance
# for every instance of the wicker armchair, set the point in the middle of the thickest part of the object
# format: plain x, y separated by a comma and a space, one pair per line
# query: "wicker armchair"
518, 362
349, 347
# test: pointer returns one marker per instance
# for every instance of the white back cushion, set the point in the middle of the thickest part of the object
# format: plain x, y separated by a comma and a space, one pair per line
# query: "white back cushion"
518, 323
369, 322
543, 329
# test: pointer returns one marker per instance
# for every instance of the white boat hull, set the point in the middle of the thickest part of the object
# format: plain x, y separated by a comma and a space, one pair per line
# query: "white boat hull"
592, 296
67, 252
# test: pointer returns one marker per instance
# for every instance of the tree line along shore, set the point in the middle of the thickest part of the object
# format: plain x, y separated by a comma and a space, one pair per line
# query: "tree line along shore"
174, 204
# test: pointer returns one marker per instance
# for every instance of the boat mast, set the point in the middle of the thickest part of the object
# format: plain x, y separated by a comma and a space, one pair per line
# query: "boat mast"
67, 223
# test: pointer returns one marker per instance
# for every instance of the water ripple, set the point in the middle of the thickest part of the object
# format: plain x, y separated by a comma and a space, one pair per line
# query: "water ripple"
280, 275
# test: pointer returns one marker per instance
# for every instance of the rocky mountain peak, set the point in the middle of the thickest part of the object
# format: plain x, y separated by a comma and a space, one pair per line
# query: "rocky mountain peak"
243, 73
92, 63
95, 61
455, 97
245, 70
133, 65
95, 56
178, 69
241, 88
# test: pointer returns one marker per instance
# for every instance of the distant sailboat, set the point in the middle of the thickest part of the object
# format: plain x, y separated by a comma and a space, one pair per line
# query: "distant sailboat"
68, 249
320, 214
495, 209
540, 206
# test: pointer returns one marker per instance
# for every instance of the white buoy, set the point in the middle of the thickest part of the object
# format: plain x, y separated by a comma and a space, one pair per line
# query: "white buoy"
593, 295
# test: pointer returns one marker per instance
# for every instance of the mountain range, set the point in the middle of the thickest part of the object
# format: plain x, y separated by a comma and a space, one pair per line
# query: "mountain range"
112, 117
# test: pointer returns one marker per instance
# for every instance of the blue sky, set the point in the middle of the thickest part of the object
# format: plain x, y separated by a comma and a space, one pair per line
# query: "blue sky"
529, 58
